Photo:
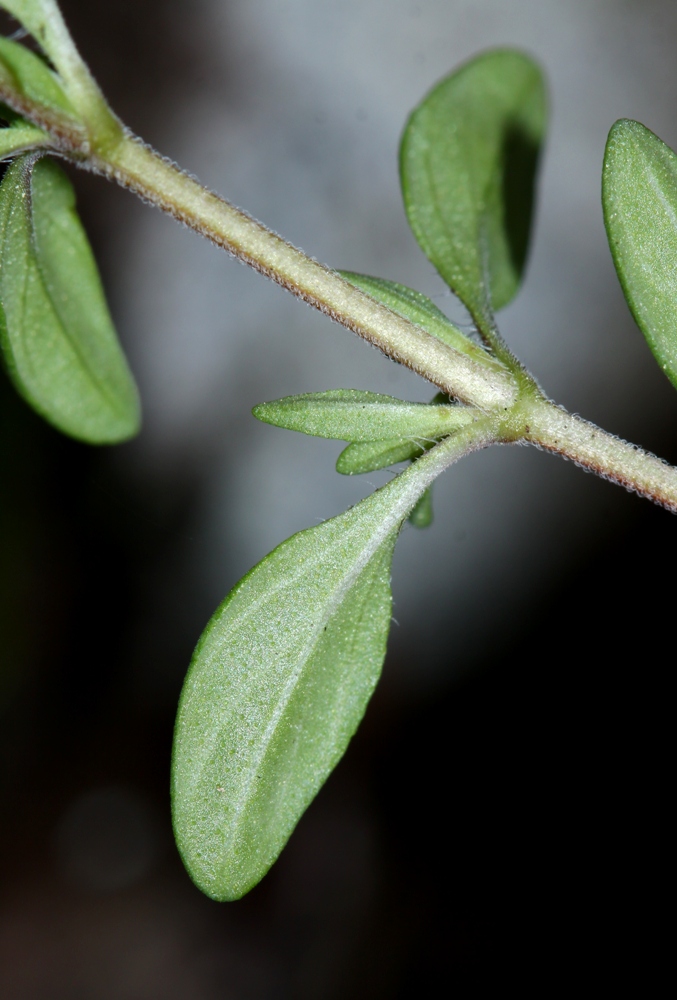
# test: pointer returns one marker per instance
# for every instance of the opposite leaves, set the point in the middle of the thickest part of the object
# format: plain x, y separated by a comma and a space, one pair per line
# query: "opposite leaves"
57, 337
639, 193
468, 162
278, 684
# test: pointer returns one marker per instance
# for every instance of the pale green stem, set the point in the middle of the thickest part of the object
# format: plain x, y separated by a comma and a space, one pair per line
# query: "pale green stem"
525, 414
137, 167
550, 427
521, 413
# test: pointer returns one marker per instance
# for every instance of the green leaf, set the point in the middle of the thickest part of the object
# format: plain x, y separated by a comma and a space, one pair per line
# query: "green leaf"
353, 415
20, 137
639, 194
420, 310
42, 18
368, 456
24, 73
468, 161
277, 686
56, 333
422, 514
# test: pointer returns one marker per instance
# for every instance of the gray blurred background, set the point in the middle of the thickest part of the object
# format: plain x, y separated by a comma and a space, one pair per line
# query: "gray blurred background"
293, 110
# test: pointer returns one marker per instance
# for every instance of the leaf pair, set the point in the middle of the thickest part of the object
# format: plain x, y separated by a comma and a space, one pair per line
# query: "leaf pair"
382, 430
57, 337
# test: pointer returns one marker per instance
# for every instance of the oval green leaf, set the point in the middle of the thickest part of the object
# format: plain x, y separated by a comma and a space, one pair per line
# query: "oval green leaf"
56, 333
354, 415
468, 162
278, 684
639, 194
419, 309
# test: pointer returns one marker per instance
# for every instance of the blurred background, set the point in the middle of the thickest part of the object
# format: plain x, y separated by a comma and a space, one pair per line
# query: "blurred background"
505, 798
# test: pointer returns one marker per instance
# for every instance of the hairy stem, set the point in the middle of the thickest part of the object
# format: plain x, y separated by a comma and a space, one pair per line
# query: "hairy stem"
528, 416
505, 390
487, 386
550, 427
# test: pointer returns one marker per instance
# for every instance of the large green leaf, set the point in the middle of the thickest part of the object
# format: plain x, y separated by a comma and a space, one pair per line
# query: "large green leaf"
419, 309
468, 162
278, 684
354, 415
639, 193
57, 337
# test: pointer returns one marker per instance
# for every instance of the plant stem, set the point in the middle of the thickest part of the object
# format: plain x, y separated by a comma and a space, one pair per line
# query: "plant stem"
551, 428
489, 386
528, 415
137, 167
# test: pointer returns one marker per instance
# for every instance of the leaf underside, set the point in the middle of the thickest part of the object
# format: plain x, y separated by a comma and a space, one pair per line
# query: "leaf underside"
354, 415
468, 162
639, 194
278, 684
58, 341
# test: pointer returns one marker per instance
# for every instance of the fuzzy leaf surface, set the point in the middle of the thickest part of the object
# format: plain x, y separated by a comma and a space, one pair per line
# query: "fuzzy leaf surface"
368, 456
639, 194
278, 684
56, 333
354, 415
19, 138
421, 310
468, 163
27, 75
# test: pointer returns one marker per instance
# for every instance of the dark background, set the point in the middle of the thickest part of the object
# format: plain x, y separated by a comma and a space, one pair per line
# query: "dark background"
502, 815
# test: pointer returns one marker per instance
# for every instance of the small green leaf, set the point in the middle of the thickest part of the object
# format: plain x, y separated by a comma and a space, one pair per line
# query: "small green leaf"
639, 194
420, 310
42, 18
368, 456
19, 138
353, 415
25, 74
468, 161
56, 333
277, 686
422, 514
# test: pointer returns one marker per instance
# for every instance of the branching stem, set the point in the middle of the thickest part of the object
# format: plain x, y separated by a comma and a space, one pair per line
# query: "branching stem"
137, 167
527, 415
499, 387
